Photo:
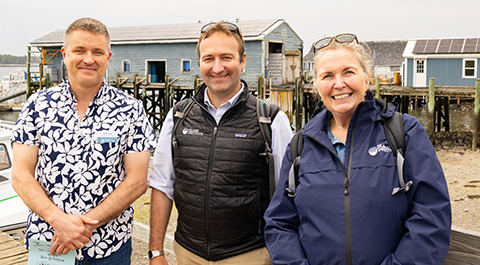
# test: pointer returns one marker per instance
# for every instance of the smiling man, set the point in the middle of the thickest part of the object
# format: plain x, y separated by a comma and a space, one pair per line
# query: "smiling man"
81, 154
213, 165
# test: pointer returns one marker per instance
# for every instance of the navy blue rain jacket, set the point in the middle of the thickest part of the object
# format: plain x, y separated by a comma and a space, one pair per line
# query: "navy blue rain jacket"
348, 212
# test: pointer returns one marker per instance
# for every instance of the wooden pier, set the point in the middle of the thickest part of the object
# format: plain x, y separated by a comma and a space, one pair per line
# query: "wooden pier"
11, 251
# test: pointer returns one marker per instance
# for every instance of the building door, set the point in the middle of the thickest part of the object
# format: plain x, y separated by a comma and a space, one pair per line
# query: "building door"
292, 68
275, 63
156, 71
420, 73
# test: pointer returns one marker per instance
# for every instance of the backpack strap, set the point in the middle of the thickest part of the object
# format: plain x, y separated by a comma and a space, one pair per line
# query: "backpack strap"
396, 139
296, 147
178, 118
265, 114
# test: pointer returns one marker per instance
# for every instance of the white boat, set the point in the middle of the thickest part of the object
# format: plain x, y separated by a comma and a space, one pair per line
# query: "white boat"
13, 212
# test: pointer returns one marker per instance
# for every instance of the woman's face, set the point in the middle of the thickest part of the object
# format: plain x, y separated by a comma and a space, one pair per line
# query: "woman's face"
341, 81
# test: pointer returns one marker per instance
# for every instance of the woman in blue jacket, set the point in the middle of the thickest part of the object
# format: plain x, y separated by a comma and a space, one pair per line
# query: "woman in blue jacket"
344, 211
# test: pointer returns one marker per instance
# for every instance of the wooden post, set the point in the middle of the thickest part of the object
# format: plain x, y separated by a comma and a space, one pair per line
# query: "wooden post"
377, 87
476, 111
431, 107
298, 105
29, 74
196, 82
135, 87
260, 90
118, 81
167, 93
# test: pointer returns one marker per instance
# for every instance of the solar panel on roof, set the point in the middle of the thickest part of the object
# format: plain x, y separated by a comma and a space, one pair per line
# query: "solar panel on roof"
444, 46
431, 46
420, 46
457, 46
470, 45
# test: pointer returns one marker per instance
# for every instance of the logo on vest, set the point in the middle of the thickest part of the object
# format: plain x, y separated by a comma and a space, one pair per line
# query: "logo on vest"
240, 135
192, 131
373, 151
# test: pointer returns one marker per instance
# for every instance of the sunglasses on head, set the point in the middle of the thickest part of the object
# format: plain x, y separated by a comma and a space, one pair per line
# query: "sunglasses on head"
340, 38
232, 27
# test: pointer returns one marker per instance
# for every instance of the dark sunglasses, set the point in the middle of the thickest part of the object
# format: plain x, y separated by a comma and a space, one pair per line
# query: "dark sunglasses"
340, 38
232, 27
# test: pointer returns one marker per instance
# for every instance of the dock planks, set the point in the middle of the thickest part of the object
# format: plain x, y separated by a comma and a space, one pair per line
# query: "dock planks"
11, 251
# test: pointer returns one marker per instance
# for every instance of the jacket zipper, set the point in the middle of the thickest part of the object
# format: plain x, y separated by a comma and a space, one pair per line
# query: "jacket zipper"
346, 190
348, 236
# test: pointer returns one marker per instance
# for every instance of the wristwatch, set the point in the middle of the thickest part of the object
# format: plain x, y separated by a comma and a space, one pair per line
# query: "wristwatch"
155, 253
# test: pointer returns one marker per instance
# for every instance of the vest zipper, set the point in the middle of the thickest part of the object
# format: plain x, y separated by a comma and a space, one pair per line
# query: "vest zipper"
207, 190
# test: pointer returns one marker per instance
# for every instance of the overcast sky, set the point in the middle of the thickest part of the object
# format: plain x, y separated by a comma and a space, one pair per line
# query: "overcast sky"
23, 21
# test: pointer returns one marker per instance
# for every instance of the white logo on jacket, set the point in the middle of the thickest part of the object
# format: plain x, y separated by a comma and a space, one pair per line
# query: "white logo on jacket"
373, 151
192, 131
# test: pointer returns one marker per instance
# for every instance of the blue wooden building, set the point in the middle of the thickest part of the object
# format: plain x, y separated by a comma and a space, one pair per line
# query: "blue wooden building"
274, 51
452, 62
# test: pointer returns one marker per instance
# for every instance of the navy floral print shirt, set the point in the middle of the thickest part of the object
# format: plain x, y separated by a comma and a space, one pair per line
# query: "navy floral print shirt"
80, 162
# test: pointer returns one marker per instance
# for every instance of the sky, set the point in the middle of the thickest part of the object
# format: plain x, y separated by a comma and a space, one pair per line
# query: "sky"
23, 21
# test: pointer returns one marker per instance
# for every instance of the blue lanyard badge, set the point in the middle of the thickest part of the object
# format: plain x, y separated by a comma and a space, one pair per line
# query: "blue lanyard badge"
107, 137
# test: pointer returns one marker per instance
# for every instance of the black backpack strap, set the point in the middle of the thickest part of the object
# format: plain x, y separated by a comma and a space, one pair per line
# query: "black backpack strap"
396, 139
265, 114
296, 148
179, 117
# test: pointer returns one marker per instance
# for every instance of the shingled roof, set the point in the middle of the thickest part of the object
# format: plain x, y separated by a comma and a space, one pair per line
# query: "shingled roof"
387, 52
170, 33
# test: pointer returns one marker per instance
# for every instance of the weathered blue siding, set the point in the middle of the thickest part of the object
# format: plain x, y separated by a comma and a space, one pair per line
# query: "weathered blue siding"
253, 68
290, 39
172, 54
448, 72
410, 72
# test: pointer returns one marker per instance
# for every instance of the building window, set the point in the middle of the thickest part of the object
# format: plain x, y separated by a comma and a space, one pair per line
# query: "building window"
126, 65
420, 66
469, 68
186, 66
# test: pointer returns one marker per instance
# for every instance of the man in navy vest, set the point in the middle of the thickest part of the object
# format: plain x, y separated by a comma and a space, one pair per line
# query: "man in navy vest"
214, 170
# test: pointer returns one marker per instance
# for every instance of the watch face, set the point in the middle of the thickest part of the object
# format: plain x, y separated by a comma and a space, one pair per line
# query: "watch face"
150, 254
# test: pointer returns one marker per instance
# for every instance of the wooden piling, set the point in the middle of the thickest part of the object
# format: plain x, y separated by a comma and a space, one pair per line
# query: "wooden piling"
298, 104
29, 74
476, 111
377, 87
431, 107
260, 88
196, 83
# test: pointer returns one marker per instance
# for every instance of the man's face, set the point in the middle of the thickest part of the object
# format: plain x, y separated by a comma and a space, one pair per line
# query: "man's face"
221, 65
86, 56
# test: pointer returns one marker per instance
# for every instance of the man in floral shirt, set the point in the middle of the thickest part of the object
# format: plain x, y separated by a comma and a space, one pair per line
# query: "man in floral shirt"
81, 154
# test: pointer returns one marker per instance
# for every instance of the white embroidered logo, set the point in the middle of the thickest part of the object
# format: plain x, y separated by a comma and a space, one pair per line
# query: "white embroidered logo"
192, 131
373, 151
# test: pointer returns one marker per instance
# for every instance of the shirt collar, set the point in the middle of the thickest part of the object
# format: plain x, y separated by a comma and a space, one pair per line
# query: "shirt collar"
229, 103
99, 98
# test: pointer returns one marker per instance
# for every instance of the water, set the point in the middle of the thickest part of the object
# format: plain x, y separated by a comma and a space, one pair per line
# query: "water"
9, 115
460, 120
7, 70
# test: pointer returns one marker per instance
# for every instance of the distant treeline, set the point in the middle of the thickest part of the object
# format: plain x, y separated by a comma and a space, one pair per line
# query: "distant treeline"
11, 59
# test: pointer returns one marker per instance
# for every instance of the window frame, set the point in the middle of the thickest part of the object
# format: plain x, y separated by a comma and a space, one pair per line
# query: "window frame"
129, 62
464, 67
182, 68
